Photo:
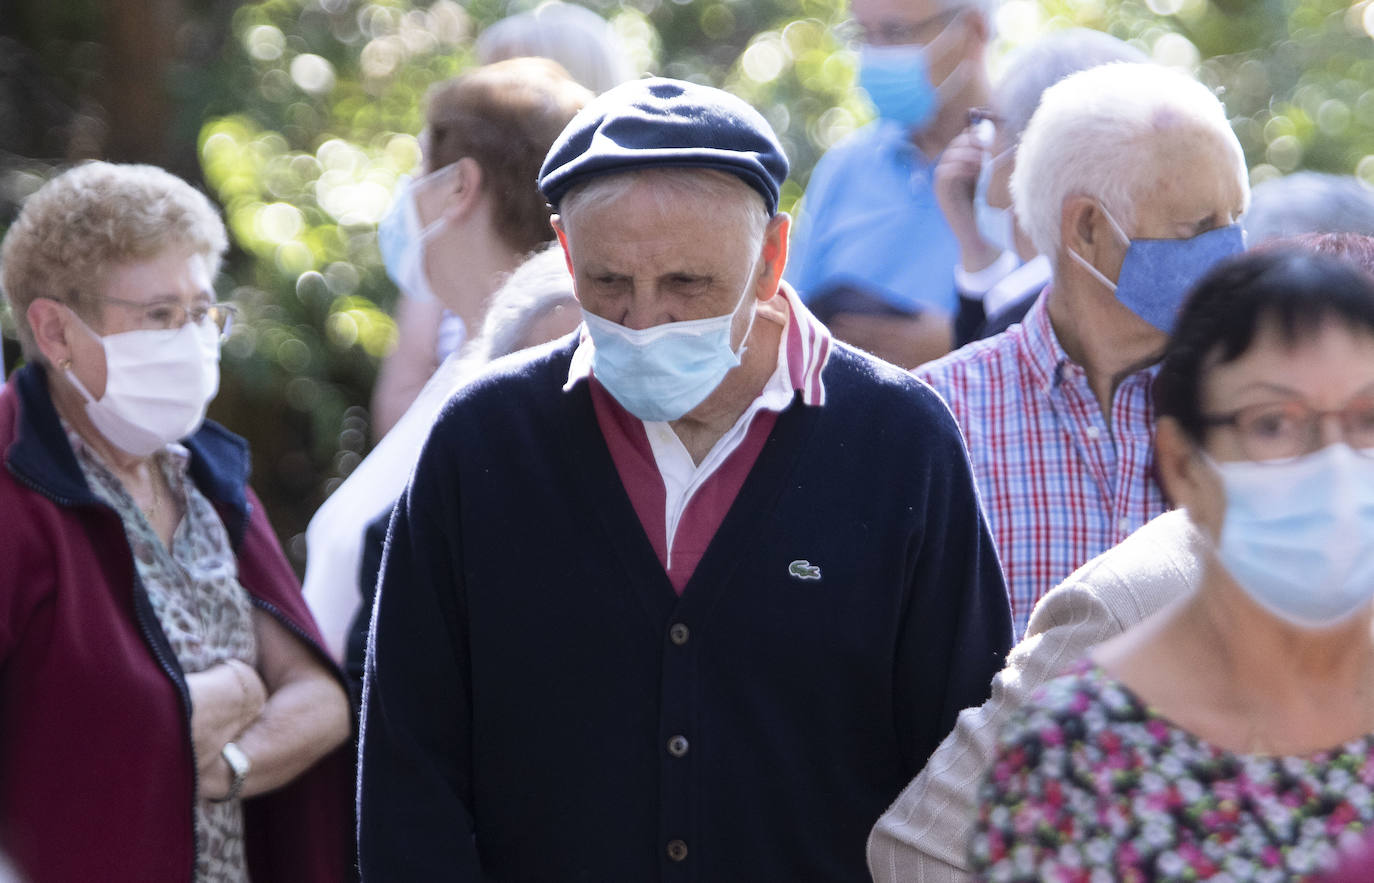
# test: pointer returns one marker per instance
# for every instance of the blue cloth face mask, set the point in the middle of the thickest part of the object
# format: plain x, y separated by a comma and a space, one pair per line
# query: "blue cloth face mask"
996, 225
661, 373
897, 80
1298, 536
1157, 274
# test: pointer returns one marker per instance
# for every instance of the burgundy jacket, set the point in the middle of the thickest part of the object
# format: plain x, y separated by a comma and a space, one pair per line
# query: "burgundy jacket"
97, 775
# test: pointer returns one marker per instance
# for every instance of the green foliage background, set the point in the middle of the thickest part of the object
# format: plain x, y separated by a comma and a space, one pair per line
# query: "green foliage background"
305, 120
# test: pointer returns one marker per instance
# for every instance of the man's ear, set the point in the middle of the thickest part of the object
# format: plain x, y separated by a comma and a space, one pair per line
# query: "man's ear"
1084, 228
49, 321
556, 222
773, 255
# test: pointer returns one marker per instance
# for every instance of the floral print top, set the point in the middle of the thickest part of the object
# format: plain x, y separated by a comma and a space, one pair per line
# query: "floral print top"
203, 610
1092, 785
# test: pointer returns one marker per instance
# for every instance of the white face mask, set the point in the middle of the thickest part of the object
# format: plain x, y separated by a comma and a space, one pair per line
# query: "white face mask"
157, 386
996, 225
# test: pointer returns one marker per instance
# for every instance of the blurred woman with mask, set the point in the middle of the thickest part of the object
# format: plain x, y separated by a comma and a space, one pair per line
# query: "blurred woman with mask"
442, 299
480, 215
1232, 732
168, 711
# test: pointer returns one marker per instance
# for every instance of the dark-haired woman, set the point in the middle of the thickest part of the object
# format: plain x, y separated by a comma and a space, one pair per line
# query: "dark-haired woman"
1231, 735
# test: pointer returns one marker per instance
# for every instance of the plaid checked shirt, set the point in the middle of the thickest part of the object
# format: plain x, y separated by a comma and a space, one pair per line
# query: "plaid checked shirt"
1059, 484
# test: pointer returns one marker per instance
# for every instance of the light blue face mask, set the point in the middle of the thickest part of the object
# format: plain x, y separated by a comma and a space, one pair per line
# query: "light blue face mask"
1298, 536
1157, 274
996, 225
897, 80
402, 239
661, 373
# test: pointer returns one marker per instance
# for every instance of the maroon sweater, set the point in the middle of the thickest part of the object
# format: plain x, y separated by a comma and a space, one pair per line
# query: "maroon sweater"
97, 774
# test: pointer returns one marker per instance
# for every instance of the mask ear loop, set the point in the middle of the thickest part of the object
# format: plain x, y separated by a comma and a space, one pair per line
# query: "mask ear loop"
1086, 265
433, 179
65, 365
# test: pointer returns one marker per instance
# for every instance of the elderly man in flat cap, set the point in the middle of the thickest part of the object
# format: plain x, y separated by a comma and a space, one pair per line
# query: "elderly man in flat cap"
690, 594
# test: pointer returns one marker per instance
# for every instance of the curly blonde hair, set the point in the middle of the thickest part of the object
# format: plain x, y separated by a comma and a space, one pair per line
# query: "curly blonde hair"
92, 218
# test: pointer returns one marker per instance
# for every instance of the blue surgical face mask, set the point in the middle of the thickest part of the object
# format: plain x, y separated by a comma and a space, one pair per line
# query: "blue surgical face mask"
1157, 274
1298, 536
401, 239
996, 225
897, 80
661, 373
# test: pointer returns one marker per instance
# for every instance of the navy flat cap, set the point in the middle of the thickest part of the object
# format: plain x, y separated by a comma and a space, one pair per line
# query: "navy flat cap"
662, 123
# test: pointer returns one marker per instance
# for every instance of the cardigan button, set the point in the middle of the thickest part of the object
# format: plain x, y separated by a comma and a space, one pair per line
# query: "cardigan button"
679, 633
677, 746
677, 850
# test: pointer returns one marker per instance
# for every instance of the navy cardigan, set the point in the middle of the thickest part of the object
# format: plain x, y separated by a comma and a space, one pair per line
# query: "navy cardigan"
540, 705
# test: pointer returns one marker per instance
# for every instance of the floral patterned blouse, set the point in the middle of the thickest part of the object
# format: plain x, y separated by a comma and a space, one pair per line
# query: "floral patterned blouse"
203, 610
1092, 785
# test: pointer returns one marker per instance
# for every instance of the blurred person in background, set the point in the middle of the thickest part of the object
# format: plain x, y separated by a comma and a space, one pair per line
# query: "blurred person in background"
431, 321
999, 273
924, 835
1309, 202
534, 305
581, 41
167, 708
481, 215
1232, 733
872, 253
1130, 178
675, 596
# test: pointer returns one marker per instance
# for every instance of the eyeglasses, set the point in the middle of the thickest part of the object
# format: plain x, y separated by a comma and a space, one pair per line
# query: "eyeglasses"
165, 315
1284, 430
897, 33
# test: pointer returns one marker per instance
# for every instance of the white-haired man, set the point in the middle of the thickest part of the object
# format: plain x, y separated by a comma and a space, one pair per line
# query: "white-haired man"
672, 598
1130, 178
1058, 409
873, 253
1000, 274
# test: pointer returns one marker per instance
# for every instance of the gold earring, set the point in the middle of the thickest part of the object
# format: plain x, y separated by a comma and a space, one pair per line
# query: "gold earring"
64, 365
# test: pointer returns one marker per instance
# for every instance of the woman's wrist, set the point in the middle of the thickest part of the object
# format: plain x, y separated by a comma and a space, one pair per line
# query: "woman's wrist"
244, 676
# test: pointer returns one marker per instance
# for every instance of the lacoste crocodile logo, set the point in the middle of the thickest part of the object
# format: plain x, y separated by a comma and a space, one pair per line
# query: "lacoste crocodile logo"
803, 569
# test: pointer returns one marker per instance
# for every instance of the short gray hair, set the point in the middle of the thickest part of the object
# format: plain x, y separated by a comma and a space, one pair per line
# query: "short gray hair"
1089, 133
581, 41
1034, 68
1309, 202
541, 284
92, 218
734, 198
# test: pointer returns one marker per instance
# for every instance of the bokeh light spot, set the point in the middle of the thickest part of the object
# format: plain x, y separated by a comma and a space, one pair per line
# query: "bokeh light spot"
1284, 153
313, 73
764, 61
279, 222
1175, 50
1164, 7
265, 43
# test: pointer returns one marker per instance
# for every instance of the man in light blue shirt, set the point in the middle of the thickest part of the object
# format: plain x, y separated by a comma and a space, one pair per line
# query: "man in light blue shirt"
872, 251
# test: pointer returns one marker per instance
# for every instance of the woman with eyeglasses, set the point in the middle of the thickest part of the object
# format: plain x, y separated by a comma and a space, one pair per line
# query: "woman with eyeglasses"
1233, 732
167, 711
